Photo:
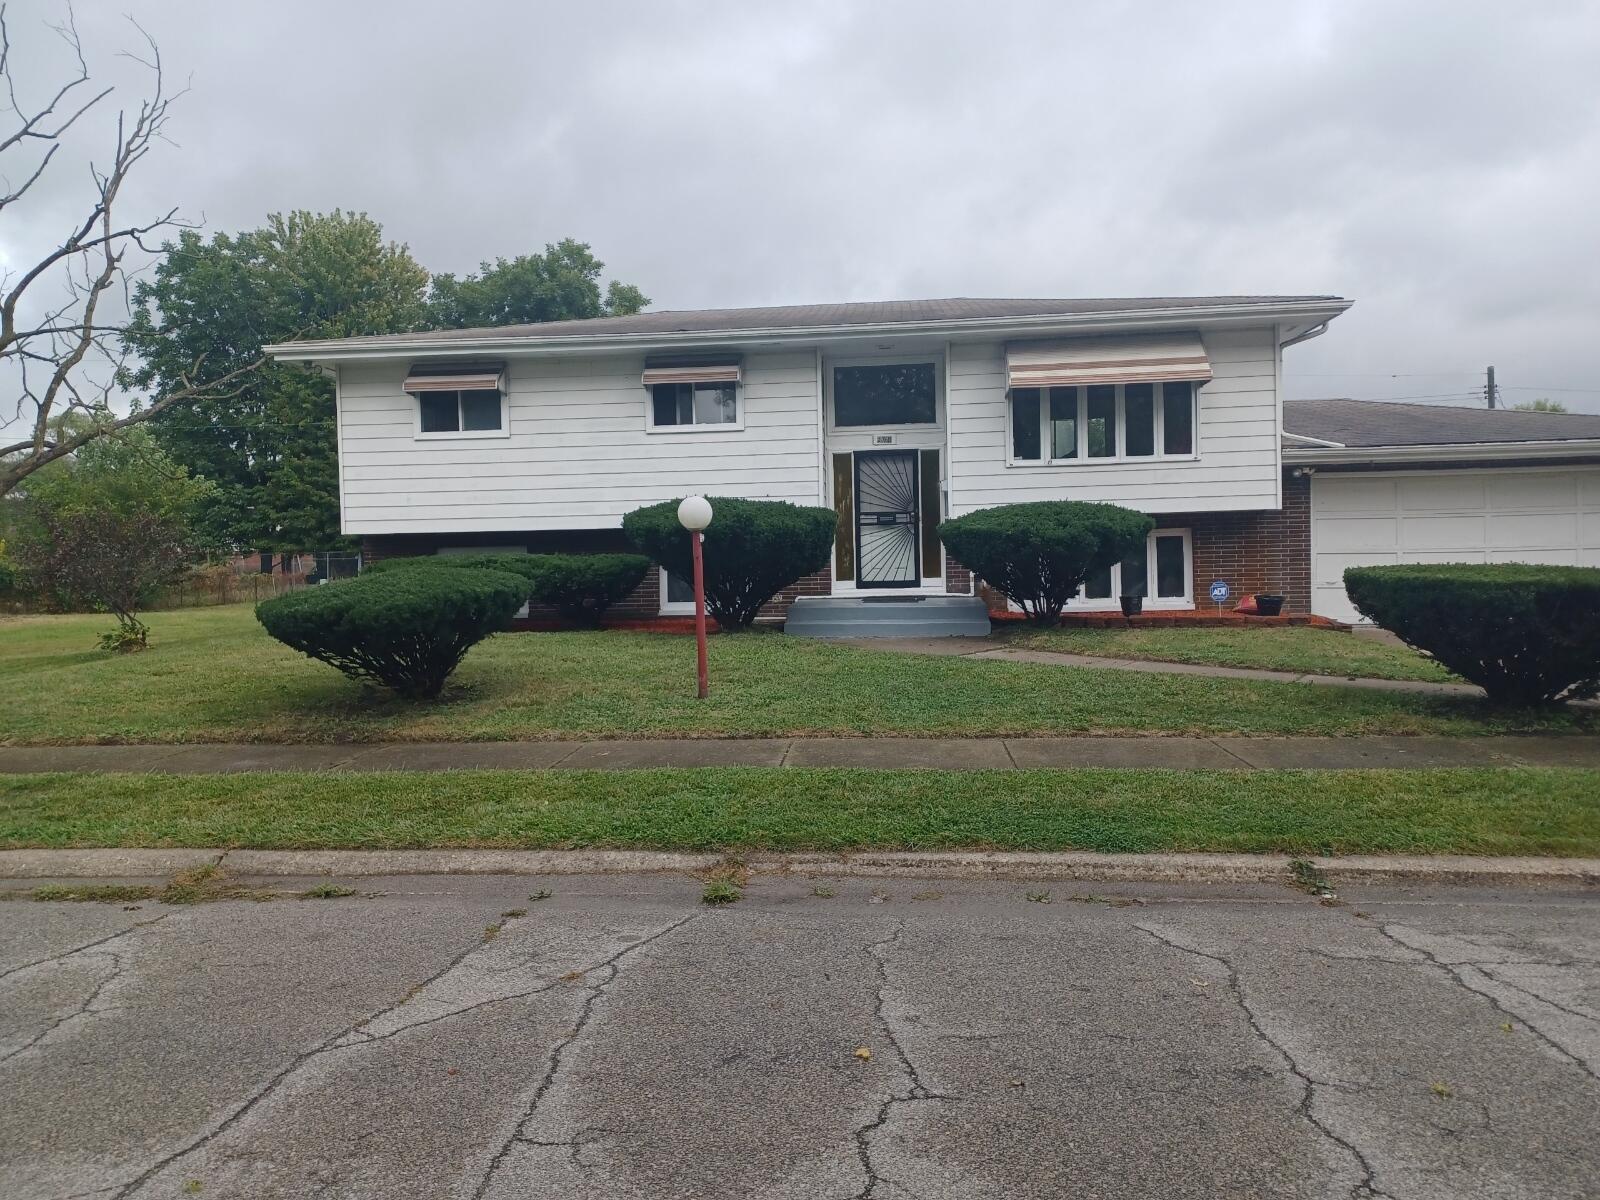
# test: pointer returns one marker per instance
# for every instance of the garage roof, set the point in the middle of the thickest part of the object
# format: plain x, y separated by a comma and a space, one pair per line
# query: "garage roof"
1368, 424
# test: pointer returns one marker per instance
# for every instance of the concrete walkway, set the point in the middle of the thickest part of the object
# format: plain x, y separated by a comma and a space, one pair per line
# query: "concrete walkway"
998, 650
944, 754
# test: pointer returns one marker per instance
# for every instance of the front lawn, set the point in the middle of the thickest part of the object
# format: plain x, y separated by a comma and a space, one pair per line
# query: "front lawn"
1304, 650
1500, 811
214, 675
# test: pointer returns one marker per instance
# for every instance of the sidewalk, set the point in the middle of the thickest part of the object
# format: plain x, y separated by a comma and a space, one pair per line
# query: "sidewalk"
943, 754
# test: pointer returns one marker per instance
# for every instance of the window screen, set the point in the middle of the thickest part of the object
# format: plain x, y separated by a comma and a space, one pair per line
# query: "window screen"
1139, 415
1025, 424
1177, 416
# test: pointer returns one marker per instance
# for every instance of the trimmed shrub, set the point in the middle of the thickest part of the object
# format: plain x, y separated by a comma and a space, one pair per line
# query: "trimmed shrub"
1038, 555
510, 563
753, 550
406, 630
582, 586
1525, 634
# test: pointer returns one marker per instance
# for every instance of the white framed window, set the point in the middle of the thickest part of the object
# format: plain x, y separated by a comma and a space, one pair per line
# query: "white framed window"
461, 413
691, 407
1100, 422
677, 595
1163, 576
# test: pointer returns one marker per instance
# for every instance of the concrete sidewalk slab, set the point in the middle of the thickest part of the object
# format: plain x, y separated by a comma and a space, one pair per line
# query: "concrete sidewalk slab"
461, 756
946, 754
1175, 753
29, 759
1543, 750
232, 759
694, 752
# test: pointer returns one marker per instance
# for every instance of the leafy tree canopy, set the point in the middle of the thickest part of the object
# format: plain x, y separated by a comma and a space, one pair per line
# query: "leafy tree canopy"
1542, 404
270, 446
561, 284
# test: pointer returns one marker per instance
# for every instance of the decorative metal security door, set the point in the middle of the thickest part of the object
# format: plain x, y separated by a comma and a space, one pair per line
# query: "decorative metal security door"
886, 518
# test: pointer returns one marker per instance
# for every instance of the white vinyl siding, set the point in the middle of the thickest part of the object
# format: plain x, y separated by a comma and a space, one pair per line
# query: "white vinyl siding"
1481, 515
576, 454
1236, 465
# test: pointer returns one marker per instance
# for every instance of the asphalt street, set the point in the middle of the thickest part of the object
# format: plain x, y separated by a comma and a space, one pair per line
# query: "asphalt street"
451, 1037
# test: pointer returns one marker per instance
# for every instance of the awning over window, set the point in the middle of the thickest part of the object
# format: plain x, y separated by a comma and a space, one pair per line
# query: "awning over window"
1141, 359
700, 370
467, 380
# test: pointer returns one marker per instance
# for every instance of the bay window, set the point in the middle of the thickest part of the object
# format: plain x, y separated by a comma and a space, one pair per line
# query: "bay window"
1101, 422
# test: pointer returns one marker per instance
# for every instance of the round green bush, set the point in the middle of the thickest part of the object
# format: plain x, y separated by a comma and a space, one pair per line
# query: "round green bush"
1038, 554
509, 562
406, 630
583, 586
1525, 634
753, 549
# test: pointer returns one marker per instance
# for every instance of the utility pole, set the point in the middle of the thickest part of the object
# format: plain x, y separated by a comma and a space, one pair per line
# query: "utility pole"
1489, 390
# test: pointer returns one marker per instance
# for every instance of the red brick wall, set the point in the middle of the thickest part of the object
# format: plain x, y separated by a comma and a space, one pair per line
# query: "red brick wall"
1265, 551
957, 579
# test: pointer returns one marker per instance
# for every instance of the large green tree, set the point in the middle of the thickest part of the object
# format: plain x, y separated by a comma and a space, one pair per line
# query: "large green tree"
270, 445
562, 284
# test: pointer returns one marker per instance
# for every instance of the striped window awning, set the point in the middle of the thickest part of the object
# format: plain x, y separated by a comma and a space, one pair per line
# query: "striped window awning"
1162, 358
720, 370
462, 381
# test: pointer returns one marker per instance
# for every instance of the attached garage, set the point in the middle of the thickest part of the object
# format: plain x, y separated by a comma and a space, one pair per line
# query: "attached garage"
1479, 514
1410, 483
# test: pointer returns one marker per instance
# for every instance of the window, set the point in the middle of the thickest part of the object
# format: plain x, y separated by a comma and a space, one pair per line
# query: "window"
1101, 421
688, 404
475, 410
886, 394
1166, 560
677, 594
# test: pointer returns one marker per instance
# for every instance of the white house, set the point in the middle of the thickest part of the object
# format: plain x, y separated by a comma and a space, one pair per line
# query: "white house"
894, 414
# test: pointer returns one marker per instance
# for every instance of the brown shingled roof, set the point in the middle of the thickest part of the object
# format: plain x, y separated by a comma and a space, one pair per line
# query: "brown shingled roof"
1374, 423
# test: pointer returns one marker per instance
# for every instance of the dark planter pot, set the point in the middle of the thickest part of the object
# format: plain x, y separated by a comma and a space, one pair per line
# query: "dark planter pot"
1269, 606
1132, 606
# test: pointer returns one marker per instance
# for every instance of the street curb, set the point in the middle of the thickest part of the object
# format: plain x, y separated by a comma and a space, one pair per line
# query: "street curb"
1073, 865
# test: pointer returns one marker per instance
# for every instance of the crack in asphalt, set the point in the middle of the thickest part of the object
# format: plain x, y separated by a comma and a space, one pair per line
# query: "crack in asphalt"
1452, 971
558, 1052
118, 968
331, 1043
1487, 969
1366, 1187
66, 954
917, 1093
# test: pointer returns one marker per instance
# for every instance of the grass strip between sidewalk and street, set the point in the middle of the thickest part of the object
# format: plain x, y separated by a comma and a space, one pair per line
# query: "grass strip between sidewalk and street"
1496, 811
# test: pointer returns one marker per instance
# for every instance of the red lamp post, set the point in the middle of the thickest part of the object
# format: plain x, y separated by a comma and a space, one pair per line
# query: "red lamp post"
694, 514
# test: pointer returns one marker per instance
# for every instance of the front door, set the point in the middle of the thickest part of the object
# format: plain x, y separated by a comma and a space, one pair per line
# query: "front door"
886, 518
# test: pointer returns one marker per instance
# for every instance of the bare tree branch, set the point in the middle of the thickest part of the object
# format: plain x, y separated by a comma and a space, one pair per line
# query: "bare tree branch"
53, 352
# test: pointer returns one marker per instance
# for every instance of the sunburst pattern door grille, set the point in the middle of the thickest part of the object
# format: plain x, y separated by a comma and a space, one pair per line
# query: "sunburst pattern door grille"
886, 519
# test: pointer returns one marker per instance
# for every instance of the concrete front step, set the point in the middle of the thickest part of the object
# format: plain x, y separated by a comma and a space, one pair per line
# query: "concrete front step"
888, 617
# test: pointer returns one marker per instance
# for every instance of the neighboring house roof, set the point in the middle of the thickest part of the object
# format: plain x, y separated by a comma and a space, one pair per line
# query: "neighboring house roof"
730, 324
1353, 430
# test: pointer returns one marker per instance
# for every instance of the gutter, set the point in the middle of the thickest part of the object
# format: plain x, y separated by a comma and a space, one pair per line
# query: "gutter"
375, 348
1462, 451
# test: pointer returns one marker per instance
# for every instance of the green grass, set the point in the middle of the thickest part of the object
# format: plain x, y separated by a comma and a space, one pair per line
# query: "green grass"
214, 675
1476, 811
1301, 649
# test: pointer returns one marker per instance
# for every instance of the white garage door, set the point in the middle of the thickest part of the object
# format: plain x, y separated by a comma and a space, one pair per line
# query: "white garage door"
1504, 514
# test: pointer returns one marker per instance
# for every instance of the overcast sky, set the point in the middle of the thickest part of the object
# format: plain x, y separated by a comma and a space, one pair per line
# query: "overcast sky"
1437, 163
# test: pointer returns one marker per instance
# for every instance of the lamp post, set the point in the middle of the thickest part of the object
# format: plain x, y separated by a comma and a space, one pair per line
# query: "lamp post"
694, 514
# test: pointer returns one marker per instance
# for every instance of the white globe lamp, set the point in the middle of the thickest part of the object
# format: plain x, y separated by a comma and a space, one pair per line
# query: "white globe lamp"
694, 513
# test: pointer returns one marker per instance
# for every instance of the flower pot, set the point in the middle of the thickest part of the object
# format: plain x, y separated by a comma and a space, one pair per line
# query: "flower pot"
1268, 606
1132, 606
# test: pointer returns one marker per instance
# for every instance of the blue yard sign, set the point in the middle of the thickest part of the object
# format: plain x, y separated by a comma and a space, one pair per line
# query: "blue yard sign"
1219, 592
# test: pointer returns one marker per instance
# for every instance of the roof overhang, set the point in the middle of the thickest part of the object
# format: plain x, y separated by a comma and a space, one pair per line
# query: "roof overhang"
1298, 314
1455, 452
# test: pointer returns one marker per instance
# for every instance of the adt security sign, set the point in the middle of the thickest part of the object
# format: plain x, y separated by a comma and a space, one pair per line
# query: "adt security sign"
1219, 592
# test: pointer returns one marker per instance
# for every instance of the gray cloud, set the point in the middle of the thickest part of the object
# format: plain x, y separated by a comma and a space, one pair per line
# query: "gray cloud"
1437, 162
